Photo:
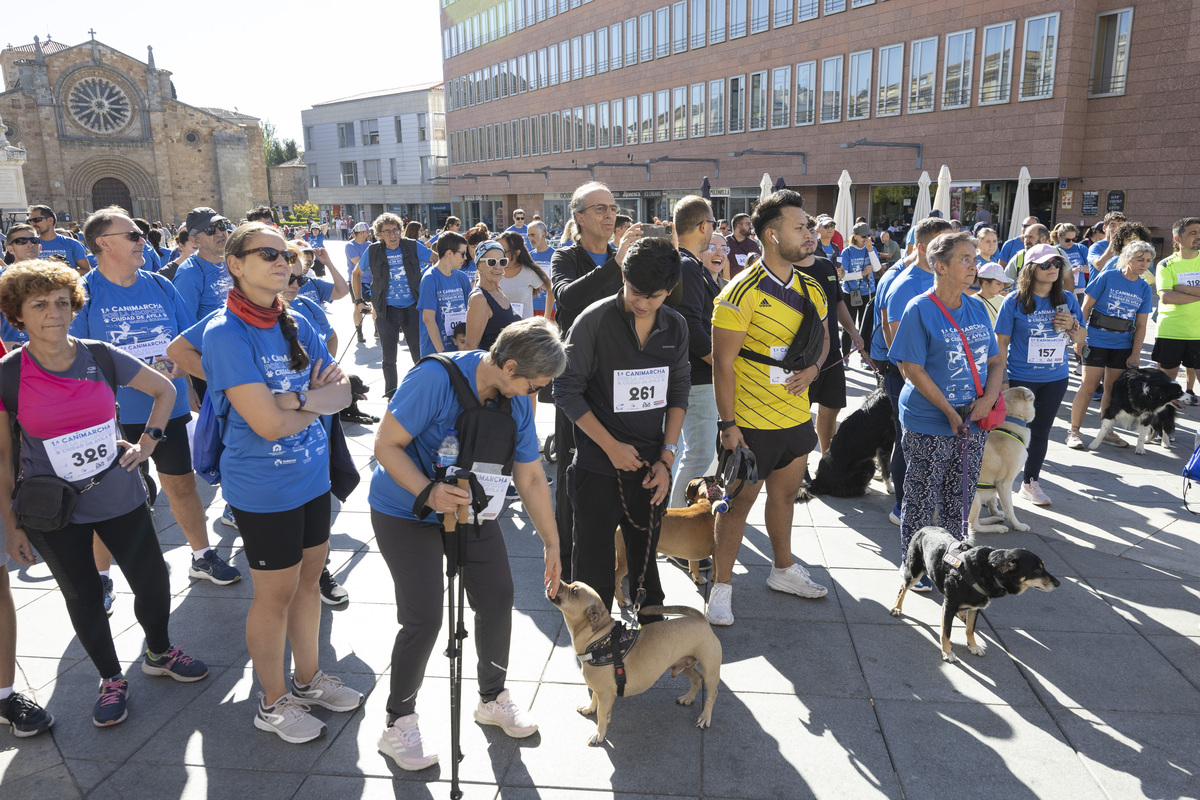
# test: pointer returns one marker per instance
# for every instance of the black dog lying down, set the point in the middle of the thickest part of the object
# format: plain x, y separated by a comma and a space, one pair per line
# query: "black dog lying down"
351, 413
969, 578
865, 438
1142, 398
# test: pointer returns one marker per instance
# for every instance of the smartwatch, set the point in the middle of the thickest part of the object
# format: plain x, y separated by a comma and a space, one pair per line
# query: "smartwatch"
300, 396
155, 433
724, 425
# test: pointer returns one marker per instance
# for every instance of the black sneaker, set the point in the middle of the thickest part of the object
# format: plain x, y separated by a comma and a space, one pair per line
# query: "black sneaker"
109, 594
26, 717
332, 592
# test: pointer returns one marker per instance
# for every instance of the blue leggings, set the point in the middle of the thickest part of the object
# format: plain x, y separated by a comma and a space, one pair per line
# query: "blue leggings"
934, 482
1048, 399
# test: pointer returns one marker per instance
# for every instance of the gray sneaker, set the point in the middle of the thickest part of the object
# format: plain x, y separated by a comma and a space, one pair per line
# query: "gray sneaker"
289, 719
328, 692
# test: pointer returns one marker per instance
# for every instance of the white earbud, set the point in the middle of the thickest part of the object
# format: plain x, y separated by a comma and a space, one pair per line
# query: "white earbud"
773, 239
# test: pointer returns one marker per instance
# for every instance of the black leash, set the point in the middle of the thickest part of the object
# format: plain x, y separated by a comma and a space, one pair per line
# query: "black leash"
652, 532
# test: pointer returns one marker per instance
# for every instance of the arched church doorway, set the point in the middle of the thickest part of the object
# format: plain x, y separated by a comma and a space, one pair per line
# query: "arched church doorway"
111, 192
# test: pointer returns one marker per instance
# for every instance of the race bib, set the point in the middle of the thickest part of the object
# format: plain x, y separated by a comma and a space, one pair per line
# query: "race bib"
451, 319
518, 309
146, 351
779, 375
496, 488
1188, 279
80, 455
1049, 350
639, 389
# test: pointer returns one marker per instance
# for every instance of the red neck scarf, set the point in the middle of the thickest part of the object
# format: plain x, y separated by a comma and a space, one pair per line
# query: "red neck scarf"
251, 313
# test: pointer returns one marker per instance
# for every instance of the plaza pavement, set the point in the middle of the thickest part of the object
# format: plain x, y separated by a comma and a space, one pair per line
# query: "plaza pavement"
1092, 691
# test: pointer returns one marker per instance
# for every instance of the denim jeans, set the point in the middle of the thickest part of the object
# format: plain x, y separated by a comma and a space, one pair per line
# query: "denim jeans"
697, 442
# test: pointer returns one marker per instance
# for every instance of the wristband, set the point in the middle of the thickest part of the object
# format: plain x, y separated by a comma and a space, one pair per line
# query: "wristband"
723, 426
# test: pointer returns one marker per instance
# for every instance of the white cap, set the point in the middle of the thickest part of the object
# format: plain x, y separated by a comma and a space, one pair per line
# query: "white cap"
995, 272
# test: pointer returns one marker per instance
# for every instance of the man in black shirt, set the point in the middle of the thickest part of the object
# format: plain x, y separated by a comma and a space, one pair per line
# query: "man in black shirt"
626, 390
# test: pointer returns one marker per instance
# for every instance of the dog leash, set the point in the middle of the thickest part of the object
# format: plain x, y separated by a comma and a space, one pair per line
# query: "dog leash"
652, 531
964, 435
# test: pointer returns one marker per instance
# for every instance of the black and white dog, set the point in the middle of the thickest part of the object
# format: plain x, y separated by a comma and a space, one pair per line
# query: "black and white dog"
352, 413
1143, 398
863, 440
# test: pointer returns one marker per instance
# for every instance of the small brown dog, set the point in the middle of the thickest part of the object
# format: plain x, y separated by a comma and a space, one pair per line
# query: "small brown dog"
686, 533
680, 645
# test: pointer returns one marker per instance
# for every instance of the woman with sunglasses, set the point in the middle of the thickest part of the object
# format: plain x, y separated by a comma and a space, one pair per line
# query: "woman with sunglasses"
442, 296
1038, 338
271, 378
523, 277
488, 308
69, 429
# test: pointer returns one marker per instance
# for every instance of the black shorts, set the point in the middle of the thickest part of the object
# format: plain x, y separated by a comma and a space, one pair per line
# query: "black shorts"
366, 292
278, 539
1171, 353
776, 448
172, 456
829, 388
1109, 357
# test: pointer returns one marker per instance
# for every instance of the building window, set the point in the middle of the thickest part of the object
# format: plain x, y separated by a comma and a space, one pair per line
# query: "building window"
527, 81
758, 101
631, 48
502, 20
564, 61
568, 125
891, 76
551, 8
831, 89
589, 54
760, 15
555, 127
995, 78
783, 13
577, 69
956, 75
545, 134
1110, 56
345, 134
314, 182
662, 32
679, 27
554, 66
618, 122
861, 3
1037, 60
602, 130
532, 138
737, 104
503, 79
716, 31
858, 93
589, 127
646, 37
699, 23
614, 47
807, 9
308, 137
513, 84
371, 176
833, 7
679, 112
806, 93
526, 142
349, 173
922, 75
487, 139
737, 25
498, 138
602, 50
631, 120
716, 107
696, 114
487, 85
580, 128
781, 97
422, 127
663, 120
647, 118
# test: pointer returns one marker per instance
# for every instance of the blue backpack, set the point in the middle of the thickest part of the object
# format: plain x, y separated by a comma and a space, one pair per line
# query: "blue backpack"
1191, 472
207, 444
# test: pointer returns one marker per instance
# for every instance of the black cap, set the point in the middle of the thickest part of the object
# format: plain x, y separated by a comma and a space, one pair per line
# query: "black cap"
200, 218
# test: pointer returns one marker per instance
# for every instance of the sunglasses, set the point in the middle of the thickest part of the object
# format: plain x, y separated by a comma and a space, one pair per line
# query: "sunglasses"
220, 226
132, 236
23, 240
492, 262
39, 219
270, 254
519, 219
534, 389
300, 279
1049, 265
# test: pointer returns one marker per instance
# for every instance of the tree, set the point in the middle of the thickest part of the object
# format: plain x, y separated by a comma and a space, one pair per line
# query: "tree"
275, 151
305, 211
291, 150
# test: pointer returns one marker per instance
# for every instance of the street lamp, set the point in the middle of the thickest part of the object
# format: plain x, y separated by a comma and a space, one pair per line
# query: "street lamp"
864, 143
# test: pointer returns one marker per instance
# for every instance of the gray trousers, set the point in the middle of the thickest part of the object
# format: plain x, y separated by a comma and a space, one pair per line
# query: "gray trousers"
390, 324
414, 554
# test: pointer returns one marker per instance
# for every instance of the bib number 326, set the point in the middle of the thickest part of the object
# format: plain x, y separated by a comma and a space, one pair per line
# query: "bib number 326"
639, 389
82, 454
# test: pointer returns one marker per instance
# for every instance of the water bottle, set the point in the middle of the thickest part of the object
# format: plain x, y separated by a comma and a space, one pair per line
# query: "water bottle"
447, 453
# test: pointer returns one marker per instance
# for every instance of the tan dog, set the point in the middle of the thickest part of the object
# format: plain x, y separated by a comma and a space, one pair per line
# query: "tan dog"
686, 533
1003, 458
680, 645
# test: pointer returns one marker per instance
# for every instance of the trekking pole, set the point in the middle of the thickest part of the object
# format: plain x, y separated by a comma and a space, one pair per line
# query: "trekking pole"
455, 525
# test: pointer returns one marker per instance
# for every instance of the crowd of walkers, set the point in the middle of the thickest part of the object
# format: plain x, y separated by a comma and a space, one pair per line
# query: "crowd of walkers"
661, 348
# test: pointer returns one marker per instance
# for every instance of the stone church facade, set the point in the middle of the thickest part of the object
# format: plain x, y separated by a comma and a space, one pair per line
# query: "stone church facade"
101, 128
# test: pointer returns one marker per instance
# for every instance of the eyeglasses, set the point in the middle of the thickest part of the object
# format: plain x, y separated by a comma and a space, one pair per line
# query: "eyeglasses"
300, 279
534, 389
712, 248
23, 240
712, 222
38, 219
389, 231
218, 226
132, 236
1049, 265
491, 262
603, 210
270, 254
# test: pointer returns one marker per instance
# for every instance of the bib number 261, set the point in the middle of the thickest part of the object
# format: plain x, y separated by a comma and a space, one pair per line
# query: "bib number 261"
641, 393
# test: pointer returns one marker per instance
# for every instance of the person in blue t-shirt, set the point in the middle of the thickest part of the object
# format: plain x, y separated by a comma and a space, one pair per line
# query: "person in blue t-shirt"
1037, 338
539, 237
316, 234
1102, 252
203, 281
526, 355
1016, 244
360, 277
442, 298
1117, 308
271, 379
859, 263
1065, 237
519, 226
941, 400
42, 218
141, 313
426, 256
315, 288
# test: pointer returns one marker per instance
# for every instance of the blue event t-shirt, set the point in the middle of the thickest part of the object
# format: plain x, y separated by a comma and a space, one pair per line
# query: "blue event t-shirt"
141, 320
315, 315
878, 343
447, 296
1097, 250
858, 259
203, 286
153, 261
1118, 296
426, 406
64, 246
599, 259
356, 250
1010, 249
914, 282
235, 353
317, 289
424, 255
1012, 321
926, 338
543, 261
399, 293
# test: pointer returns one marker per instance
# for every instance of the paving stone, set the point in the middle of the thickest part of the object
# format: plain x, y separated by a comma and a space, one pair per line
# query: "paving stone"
188, 782
34, 673
20, 758
322, 787
803, 659
1183, 652
1086, 561
212, 630
89, 774
1154, 607
1073, 606
866, 548
54, 783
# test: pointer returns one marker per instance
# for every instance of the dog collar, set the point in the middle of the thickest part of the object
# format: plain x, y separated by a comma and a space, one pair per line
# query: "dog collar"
1015, 421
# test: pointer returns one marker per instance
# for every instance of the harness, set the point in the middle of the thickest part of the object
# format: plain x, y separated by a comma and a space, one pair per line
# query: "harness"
1011, 435
959, 566
612, 649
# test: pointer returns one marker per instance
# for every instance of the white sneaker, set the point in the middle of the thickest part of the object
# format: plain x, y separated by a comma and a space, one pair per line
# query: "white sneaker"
289, 719
1190, 399
328, 692
402, 743
1074, 440
795, 580
504, 714
893, 518
720, 604
1032, 492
